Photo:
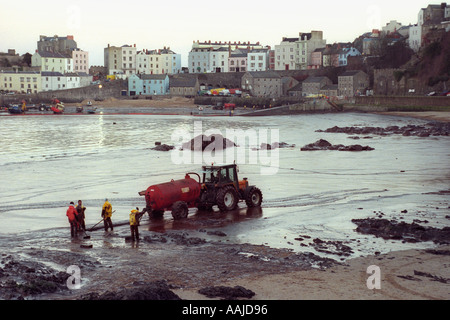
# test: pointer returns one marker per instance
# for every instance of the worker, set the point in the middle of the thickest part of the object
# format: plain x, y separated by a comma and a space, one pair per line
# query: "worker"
71, 214
81, 216
135, 216
106, 215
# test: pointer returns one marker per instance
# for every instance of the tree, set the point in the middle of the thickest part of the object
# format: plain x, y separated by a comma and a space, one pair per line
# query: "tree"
26, 59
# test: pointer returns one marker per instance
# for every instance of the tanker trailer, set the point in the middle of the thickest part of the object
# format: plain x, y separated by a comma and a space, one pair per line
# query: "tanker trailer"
220, 186
176, 196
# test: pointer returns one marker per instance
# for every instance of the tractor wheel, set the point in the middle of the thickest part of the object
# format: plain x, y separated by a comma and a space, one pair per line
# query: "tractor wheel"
156, 214
254, 198
179, 210
227, 199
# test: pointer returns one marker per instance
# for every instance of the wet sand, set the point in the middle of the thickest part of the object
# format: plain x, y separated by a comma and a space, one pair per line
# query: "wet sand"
405, 275
189, 266
177, 102
440, 116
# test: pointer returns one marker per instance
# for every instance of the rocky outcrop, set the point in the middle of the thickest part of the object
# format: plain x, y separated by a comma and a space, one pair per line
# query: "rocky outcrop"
432, 129
201, 142
157, 290
408, 232
325, 145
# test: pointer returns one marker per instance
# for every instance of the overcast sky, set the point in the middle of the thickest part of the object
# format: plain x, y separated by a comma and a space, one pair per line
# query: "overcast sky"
176, 24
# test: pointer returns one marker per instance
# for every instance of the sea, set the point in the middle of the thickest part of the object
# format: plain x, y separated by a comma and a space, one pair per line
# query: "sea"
47, 161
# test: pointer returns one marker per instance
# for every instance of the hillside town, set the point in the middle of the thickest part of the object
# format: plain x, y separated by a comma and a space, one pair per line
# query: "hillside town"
393, 60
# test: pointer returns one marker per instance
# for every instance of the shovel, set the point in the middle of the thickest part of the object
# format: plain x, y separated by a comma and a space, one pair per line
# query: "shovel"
99, 222
86, 236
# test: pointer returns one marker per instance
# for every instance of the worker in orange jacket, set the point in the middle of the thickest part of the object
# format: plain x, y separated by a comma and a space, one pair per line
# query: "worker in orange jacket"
71, 214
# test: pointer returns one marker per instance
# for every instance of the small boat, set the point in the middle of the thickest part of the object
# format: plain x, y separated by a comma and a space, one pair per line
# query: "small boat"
80, 109
15, 109
91, 110
58, 109
57, 106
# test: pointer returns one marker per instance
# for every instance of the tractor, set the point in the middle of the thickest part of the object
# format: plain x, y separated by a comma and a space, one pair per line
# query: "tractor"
221, 187
218, 185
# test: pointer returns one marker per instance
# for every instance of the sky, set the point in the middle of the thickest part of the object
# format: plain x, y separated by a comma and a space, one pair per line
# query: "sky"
177, 23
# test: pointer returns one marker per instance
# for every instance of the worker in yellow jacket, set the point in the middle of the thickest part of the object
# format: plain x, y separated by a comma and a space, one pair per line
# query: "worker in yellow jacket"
135, 217
106, 215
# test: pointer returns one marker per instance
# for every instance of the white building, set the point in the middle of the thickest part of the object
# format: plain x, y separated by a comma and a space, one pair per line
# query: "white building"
52, 62
129, 60
285, 54
211, 57
415, 37
120, 61
52, 81
258, 60
22, 82
162, 61
295, 53
391, 27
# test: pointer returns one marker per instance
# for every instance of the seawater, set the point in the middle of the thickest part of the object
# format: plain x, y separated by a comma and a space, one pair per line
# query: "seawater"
46, 161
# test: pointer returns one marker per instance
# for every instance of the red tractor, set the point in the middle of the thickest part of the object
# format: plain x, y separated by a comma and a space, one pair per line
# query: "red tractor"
219, 185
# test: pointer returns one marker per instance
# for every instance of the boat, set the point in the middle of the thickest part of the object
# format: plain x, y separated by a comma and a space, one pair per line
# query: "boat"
15, 109
58, 109
57, 106
92, 110
80, 109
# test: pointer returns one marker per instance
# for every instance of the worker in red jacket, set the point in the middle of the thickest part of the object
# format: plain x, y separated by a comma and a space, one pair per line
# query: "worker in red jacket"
72, 216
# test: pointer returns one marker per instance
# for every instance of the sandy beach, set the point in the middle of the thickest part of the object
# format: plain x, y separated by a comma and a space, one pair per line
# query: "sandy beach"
405, 275
188, 258
177, 102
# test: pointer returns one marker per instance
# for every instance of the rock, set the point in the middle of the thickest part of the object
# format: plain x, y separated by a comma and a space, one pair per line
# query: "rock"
413, 232
434, 128
217, 233
325, 145
162, 147
228, 293
331, 247
157, 290
201, 142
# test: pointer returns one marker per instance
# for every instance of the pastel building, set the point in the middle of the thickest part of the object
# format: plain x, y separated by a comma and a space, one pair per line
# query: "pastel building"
80, 60
148, 84
52, 62
162, 61
52, 81
295, 53
213, 57
258, 60
21, 82
120, 61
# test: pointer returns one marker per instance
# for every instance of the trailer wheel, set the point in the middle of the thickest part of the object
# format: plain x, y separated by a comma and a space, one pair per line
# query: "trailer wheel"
156, 214
179, 210
227, 199
254, 198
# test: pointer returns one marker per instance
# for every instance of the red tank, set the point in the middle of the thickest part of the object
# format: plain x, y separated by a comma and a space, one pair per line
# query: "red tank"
163, 196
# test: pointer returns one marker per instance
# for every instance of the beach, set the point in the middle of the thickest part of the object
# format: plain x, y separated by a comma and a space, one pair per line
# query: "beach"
404, 275
305, 243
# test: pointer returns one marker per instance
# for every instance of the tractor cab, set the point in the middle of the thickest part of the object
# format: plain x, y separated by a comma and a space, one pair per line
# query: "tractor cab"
220, 176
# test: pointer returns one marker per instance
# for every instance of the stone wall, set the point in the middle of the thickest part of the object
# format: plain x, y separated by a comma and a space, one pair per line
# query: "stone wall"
403, 101
93, 92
